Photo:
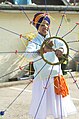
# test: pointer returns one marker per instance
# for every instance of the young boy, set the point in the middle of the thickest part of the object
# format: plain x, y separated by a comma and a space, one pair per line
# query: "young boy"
46, 99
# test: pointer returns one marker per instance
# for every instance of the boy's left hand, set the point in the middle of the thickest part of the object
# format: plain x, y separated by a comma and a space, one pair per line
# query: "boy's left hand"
58, 53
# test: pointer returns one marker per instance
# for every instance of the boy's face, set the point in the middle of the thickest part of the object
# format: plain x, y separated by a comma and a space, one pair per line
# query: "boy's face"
43, 28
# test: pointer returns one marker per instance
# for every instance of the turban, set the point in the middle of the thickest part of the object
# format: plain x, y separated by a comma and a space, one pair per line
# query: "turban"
39, 17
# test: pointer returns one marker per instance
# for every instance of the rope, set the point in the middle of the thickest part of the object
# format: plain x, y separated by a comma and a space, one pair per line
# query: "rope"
61, 21
43, 94
75, 81
2, 112
17, 96
70, 31
17, 69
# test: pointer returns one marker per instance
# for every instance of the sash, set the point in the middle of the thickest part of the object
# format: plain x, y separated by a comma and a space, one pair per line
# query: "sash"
60, 86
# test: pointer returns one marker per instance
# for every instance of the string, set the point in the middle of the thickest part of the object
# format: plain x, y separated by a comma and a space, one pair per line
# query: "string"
43, 94
61, 21
18, 35
74, 79
22, 8
69, 31
18, 96
2, 112
17, 69
74, 41
73, 50
46, 6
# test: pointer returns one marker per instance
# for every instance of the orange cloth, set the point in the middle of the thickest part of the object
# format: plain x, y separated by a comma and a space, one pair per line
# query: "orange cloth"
60, 86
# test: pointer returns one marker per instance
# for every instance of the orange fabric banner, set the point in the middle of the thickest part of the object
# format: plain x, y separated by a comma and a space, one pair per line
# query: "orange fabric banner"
60, 86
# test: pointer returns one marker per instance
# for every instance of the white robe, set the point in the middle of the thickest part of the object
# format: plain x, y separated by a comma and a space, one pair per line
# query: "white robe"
44, 100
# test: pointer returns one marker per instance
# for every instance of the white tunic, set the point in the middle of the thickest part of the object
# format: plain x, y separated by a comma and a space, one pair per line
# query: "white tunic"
44, 100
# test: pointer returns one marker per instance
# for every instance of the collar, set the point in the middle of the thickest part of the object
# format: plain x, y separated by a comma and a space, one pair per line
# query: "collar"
42, 35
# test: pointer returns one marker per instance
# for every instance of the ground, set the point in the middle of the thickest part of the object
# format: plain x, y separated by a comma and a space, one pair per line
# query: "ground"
20, 107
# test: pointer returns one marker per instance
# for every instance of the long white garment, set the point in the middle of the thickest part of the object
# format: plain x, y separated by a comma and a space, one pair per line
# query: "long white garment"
44, 101
51, 103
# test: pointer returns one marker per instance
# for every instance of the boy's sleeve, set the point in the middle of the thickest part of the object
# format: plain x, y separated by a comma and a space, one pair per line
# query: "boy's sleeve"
31, 51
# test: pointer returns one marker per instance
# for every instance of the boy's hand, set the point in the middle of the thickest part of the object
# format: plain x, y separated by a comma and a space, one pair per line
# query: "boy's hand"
58, 53
48, 47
